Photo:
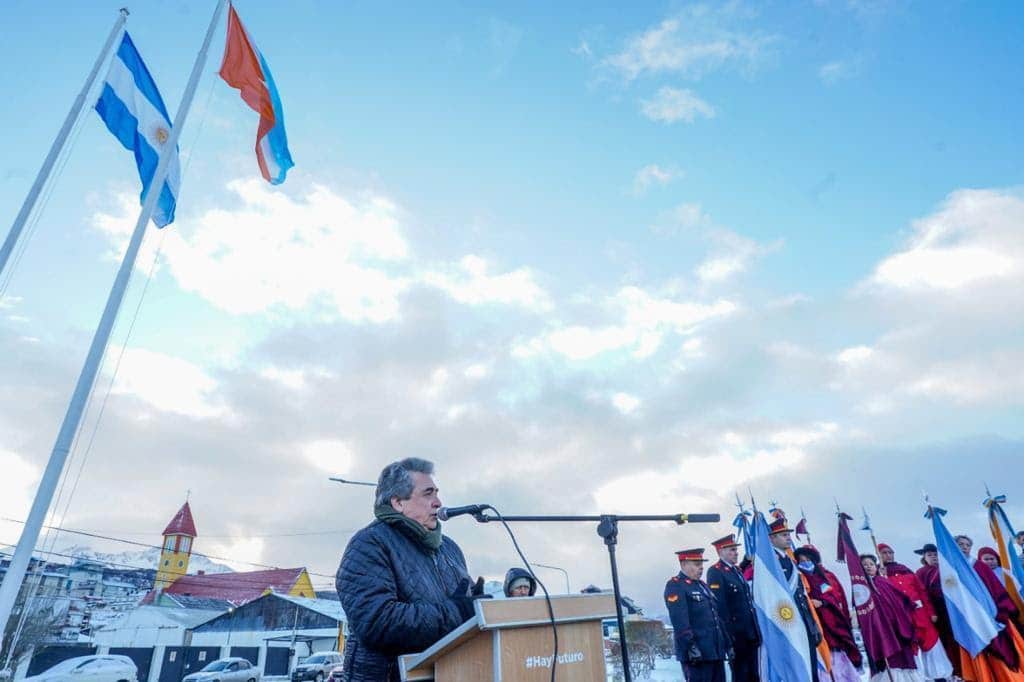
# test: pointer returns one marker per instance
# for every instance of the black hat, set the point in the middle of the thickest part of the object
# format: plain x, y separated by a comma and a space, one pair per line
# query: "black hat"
809, 551
928, 547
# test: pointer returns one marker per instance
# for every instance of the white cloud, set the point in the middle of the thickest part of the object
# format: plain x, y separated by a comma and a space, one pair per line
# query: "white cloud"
626, 403
854, 355
690, 44
670, 105
731, 255
168, 384
473, 284
653, 174
331, 456
16, 485
740, 458
644, 321
974, 239
832, 72
276, 252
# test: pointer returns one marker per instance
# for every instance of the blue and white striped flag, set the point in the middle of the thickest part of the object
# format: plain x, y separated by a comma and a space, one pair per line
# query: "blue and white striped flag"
785, 650
134, 112
972, 612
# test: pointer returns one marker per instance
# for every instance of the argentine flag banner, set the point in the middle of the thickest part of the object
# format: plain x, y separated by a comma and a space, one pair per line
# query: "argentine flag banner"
972, 613
785, 652
131, 107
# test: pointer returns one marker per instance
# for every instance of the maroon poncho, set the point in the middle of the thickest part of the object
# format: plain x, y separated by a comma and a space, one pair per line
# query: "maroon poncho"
834, 613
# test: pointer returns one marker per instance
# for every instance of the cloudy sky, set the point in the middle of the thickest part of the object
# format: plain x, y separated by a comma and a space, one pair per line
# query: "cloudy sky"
598, 259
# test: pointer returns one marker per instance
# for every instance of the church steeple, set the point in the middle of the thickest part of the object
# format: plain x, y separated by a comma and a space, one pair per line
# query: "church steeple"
177, 548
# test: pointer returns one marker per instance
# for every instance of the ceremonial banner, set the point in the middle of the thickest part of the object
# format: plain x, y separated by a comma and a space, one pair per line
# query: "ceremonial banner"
873, 617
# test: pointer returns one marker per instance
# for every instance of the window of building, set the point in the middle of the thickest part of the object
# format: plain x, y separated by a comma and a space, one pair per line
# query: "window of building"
181, 563
169, 543
185, 545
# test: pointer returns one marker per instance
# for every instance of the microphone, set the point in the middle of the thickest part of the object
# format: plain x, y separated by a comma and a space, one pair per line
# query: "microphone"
445, 513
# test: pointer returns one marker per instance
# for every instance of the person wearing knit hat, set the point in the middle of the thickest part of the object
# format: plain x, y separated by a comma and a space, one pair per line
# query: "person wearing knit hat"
519, 583
702, 641
736, 605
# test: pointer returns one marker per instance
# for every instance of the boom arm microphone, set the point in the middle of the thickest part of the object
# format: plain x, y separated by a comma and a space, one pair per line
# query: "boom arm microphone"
445, 513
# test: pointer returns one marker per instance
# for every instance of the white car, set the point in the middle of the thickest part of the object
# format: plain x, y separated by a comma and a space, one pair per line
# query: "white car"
90, 669
226, 670
317, 667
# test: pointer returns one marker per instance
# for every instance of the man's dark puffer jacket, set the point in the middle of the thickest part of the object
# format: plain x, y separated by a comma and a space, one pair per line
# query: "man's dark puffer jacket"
397, 596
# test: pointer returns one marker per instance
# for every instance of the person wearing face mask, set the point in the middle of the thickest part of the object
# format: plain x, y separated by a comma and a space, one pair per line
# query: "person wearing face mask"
829, 598
736, 605
934, 663
702, 641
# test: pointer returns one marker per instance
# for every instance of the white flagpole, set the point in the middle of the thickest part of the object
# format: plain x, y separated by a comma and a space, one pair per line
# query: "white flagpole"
44, 495
58, 145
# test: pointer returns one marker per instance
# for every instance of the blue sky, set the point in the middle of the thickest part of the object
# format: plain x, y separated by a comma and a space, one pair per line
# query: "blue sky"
695, 247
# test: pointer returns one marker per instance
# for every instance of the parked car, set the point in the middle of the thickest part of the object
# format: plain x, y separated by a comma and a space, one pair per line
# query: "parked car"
226, 670
90, 669
317, 667
336, 673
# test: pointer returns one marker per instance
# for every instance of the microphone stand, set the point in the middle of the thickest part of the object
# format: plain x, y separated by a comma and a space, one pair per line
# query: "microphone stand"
608, 529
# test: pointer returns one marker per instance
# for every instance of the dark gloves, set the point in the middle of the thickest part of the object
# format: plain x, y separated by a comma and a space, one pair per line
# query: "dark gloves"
730, 654
693, 654
465, 595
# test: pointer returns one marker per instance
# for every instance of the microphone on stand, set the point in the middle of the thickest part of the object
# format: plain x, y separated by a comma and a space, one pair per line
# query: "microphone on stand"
445, 513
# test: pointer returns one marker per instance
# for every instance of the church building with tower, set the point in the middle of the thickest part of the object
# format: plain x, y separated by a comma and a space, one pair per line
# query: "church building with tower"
175, 587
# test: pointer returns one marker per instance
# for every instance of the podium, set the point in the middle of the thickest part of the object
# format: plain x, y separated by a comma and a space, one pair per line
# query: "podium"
509, 640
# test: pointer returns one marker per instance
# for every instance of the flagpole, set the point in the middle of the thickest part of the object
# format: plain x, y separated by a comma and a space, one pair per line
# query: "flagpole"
58, 144
58, 457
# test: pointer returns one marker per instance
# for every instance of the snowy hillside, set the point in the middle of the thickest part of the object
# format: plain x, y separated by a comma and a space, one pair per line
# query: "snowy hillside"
141, 558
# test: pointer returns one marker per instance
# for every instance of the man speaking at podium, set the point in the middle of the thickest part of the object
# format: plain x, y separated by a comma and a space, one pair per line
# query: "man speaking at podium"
402, 583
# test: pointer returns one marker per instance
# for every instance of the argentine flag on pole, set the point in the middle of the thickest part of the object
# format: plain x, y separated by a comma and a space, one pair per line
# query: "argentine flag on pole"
134, 112
785, 651
972, 613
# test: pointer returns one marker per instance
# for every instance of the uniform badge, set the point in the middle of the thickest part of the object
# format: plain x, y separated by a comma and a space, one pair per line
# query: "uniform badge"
672, 598
714, 586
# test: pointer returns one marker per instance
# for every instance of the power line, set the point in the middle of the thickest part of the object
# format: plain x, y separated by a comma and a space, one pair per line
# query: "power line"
100, 536
239, 579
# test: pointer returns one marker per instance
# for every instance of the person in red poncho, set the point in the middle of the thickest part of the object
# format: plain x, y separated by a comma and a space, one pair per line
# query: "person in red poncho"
935, 664
829, 599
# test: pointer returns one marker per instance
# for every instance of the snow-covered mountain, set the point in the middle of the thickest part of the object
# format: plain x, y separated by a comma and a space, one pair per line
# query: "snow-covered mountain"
141, 558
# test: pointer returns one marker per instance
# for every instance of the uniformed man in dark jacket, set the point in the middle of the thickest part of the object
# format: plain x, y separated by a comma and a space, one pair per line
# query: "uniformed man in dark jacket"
403, 585
736, 606
702, 642
782, 542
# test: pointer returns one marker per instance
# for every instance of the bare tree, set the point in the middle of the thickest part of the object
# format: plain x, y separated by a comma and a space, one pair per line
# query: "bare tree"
40, 625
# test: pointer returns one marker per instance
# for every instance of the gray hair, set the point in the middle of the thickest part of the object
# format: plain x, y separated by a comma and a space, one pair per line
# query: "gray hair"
396, 479
963, 537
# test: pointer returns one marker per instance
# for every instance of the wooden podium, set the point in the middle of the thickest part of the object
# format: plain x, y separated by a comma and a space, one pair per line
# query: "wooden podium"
509, 640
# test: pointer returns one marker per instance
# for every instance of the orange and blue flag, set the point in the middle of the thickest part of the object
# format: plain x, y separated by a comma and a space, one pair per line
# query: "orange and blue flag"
245, 69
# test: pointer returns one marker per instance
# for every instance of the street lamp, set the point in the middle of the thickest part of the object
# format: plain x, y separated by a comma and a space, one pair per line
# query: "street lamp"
568, 590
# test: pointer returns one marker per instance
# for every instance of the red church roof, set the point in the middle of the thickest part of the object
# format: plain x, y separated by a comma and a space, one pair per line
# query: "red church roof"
237, 588
182, 523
